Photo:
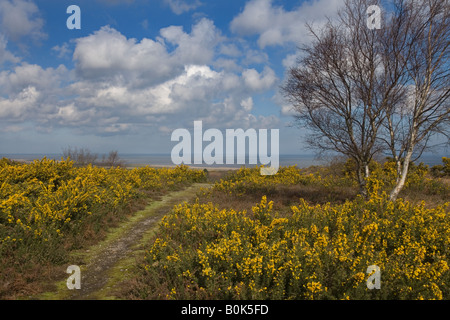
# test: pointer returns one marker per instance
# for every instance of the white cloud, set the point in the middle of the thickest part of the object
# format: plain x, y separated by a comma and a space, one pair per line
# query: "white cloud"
230, 82
290, 60
286, 109
276, 26
20, 18
259, 82
227, 64
255, 57
5, 55
71, 115
31, 75
230, 50
199, 92
255, 18
62, 51
122, 85
30, 93
18, 107
198, 47
128, 78
247, 104
107, 54
181, 6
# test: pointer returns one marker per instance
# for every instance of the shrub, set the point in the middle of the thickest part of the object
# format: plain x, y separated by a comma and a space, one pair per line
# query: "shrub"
319, 252
49, 207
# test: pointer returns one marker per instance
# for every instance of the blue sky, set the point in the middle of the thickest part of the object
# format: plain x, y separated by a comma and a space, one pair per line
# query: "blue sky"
139, 69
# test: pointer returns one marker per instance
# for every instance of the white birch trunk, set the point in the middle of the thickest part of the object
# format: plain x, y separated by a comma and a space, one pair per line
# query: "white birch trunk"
402, 179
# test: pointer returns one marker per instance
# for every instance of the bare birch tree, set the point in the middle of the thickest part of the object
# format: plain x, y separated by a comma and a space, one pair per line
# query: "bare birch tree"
361, 91
339, 89
421, 52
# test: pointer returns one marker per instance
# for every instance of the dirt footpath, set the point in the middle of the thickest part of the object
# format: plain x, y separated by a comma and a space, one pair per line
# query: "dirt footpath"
99, 275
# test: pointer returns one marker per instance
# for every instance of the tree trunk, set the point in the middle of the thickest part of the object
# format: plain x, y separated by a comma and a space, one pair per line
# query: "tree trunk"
402, 179
366, 170
399, 169
363, 174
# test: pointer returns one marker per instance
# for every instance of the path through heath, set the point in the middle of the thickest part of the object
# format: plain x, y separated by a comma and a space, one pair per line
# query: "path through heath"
95, 275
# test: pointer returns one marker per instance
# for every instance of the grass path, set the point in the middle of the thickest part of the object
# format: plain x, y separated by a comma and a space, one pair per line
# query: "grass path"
106, 264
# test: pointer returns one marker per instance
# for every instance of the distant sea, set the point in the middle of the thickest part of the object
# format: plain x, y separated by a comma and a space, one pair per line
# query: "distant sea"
302, 161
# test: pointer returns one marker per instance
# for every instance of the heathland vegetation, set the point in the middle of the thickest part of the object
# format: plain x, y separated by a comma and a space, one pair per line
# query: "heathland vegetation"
49, 208
304, 234
299, 234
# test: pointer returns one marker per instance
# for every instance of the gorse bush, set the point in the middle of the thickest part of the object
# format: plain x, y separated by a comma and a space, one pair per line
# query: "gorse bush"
320, 252
314, 252
48, 208
324, 185
420, 177
43, 200
249, 180
442, 170
292, 250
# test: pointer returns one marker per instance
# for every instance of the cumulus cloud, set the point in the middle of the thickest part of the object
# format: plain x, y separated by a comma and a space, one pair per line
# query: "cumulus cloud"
276, 26
198, 92
18, 107
29, 92
247, 104
181, 6
107, 54
121, 85
145, 77
290, 60
198, 47
31, 75
5, 55
230, 49
62, 51
20, 18
259, 82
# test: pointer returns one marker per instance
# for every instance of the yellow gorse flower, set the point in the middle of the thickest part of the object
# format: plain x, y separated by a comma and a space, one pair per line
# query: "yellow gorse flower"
312, 252
46, 201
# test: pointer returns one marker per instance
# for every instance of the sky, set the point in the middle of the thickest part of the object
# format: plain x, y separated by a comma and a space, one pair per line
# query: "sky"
137, 70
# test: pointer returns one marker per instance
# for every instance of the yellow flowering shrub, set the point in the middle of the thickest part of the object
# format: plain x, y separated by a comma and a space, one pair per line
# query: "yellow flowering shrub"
420, 178
442, 170
249, 180
46, 206
314, 252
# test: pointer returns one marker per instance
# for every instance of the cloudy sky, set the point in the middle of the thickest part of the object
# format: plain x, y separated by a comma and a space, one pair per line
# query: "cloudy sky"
139, 69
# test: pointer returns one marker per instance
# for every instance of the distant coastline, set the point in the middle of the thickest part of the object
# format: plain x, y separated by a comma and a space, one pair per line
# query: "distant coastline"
164, 160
